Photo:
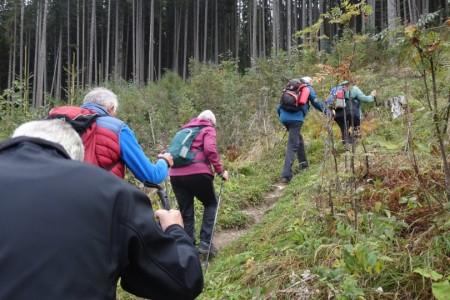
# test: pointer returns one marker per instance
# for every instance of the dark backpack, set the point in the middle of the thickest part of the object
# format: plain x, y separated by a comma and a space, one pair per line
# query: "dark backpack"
83, 121
180, 147
294, 95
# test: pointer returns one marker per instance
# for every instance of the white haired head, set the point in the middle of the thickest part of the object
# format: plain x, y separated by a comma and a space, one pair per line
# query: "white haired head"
103, 97
55, 131
306, 79
207, 114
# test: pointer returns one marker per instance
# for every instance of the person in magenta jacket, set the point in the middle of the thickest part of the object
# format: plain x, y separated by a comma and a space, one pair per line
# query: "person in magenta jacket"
196, 180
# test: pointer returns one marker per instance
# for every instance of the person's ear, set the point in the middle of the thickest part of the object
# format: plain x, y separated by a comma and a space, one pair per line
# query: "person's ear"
112, 110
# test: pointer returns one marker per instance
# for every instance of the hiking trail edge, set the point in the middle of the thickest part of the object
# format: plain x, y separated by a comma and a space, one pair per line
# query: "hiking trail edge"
225, 236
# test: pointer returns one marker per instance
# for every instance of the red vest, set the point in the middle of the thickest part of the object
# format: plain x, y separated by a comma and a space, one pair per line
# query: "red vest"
101, 145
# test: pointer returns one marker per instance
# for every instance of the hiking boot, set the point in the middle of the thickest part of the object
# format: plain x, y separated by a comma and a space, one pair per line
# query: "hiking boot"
285, 180
204, 247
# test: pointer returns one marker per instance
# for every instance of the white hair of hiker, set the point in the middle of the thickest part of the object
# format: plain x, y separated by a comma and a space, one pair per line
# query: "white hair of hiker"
207, 114
103, 97
55, 131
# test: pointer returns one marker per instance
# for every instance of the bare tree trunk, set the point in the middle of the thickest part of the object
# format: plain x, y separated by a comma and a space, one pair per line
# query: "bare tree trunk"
159, 46
186, 14
22, 14
263, 29
371, 20
13, 59
196, 29
392, 14
133, 39
68, 64
140, 44
78, 43
59, 69
108, 33
238, 29
216, 33
205, 32
151, 42
91, 45
41, 69
310, 11
176, 38
254, 31
275, 24
288, 27
116, 71
36, 51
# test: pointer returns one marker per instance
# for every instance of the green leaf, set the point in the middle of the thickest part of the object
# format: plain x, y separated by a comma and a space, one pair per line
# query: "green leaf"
429, 274
423, 147
441, 290
378, 206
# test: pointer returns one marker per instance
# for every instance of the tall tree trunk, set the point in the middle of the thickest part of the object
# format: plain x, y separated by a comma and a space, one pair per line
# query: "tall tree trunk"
176, 38
133, 39
151, 42
196, 30
69, 57
288, 27
275, 26
254, 50
59, 68
22, 14
371, 20
116, 70
90, 68
13, 70
238, 28
263, 29
392, 15
78, 47
186, 14
108, 34
216, 33
159, 44
42, 54
205, 32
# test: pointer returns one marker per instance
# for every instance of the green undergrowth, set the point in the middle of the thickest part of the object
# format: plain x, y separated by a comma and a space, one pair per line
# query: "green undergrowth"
384, 236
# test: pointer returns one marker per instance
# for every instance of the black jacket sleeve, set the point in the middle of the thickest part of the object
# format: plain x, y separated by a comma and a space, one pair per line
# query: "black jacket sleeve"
158, 265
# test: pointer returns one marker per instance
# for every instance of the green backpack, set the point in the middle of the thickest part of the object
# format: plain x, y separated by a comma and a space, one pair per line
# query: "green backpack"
180, 147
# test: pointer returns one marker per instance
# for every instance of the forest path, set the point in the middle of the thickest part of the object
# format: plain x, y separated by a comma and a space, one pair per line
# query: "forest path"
224, 237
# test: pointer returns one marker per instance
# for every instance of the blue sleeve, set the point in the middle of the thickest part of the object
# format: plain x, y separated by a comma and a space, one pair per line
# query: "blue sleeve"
135, 159
318, 104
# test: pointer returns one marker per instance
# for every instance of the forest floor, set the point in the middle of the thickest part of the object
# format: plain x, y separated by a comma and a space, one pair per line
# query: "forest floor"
224, 237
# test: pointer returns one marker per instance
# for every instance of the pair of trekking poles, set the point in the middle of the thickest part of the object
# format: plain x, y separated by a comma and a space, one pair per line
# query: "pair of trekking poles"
166, 205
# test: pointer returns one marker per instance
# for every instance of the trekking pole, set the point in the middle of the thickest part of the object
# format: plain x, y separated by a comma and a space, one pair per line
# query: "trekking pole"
214, 225
161, 194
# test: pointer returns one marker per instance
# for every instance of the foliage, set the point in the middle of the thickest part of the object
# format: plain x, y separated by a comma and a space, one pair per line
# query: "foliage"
368, 223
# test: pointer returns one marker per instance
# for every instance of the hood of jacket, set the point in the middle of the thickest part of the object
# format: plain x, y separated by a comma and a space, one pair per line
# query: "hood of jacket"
197, 122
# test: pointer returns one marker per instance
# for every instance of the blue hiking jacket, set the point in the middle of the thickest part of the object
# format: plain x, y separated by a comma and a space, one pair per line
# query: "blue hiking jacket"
299, 116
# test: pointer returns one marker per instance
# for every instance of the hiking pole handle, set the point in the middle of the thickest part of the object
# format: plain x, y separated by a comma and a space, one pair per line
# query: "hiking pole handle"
161, 194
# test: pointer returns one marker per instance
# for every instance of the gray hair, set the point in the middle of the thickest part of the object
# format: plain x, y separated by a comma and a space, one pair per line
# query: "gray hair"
55, 131
209, 115
103, 97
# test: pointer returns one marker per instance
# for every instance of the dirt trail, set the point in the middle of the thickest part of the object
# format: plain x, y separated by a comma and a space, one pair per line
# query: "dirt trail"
224, 237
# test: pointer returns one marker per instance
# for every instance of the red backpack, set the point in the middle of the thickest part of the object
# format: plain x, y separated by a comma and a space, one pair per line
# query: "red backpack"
83, 121
294, 95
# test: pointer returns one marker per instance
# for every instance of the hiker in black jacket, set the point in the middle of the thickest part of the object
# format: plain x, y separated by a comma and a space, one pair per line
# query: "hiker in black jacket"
70, 230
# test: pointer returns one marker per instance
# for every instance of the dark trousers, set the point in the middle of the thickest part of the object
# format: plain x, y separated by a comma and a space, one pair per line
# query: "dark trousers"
200, 186
295, 147
345, 122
